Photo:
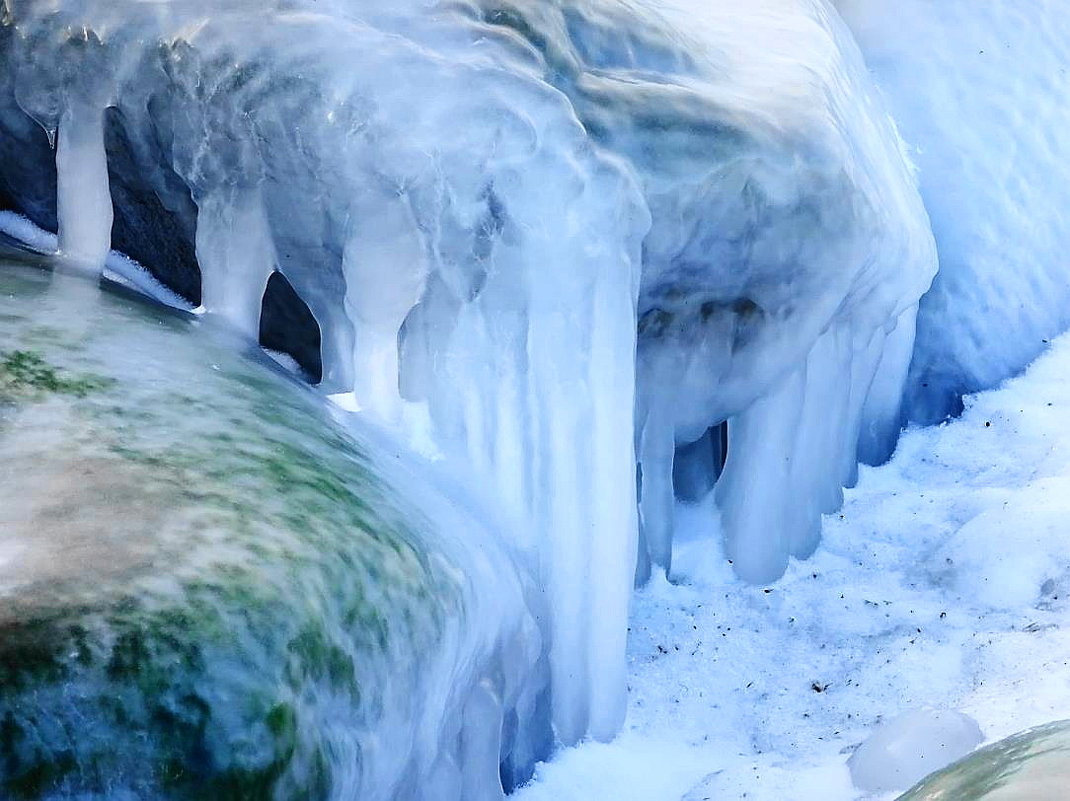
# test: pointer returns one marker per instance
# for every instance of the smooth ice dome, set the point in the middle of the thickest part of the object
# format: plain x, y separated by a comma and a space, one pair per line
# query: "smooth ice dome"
909, 747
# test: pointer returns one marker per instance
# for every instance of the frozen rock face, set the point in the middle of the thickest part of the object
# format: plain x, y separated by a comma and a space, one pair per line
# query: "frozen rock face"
905, 749
1031, 766
548, 242
994, 169
209, 589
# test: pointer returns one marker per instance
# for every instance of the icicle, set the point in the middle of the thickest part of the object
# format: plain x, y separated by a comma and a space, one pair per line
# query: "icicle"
481, 744
83, 197
807, 455
386, 267
864, 361
236, 256
614, 533
657, 445
755, 493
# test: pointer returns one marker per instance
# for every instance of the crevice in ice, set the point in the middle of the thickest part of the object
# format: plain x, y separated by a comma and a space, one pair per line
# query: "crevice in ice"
697, 465
288, 326
155, 216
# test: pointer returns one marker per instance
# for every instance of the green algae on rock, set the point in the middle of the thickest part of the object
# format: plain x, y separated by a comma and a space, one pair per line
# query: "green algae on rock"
1033, 765
206, 589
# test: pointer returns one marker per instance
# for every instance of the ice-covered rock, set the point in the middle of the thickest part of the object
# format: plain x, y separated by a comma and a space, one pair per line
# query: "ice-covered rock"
902, 750
558, 240
210, 589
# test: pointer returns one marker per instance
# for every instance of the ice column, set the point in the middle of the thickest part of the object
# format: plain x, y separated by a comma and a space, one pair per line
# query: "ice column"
883, 415
793, 450
532, 383
755, 492
236, 256
656, 447
83, 197
385, 265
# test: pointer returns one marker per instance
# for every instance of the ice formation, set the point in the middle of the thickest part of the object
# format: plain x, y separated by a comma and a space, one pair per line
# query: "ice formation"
910, 747
994, 171
555, 244
208, 589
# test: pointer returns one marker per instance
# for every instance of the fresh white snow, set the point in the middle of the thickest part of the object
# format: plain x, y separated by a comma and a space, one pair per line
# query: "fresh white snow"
941, 584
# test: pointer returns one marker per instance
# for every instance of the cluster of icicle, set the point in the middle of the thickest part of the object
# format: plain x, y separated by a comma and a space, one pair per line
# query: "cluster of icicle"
551, 242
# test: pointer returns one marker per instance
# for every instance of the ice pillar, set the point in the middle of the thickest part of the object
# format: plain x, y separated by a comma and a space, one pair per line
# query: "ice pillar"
83, 196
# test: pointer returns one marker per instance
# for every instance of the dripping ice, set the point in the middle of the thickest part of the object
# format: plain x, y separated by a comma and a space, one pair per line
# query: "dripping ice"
601, 234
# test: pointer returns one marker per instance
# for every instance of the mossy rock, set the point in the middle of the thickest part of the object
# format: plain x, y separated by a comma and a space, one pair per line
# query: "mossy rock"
205, 590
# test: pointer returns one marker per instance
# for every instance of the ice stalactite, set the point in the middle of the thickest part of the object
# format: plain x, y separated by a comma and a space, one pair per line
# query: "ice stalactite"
755, 492
656, 449
534, 384
83, 198
809, 433
236, 256
385, 265
883, 414
551, 244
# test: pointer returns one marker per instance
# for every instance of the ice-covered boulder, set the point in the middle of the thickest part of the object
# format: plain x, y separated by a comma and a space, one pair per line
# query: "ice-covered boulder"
549, 242
210, 589
908, 747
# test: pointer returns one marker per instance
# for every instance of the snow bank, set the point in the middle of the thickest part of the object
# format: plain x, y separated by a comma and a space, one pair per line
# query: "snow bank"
978, 92
912, 601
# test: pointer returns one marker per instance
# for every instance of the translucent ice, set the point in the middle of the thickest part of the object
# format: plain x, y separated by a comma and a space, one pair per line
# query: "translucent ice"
907, 748
550, 242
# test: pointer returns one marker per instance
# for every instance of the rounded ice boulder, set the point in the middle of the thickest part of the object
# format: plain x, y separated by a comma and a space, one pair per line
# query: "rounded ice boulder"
902, 751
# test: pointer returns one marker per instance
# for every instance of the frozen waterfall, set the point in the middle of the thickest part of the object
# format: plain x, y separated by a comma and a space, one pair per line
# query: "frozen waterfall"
552, 244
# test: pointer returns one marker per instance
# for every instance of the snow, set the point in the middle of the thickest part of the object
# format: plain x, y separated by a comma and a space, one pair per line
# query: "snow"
978, 93
941, 584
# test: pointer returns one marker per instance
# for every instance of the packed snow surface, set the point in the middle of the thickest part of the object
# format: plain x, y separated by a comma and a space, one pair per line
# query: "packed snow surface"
943, 583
